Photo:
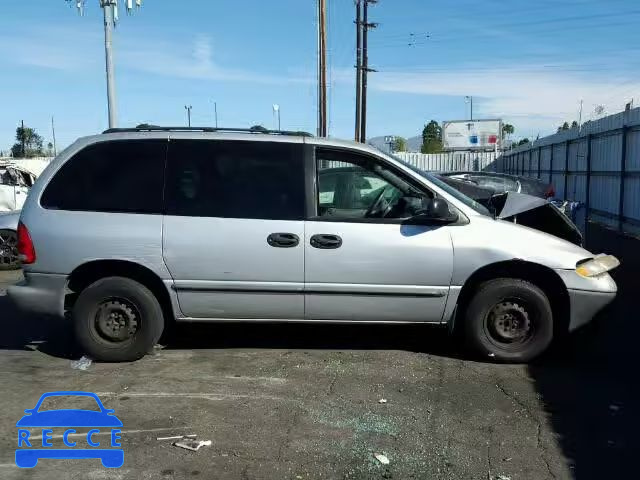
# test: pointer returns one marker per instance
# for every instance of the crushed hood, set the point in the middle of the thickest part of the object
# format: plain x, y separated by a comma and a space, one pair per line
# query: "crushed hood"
535, 212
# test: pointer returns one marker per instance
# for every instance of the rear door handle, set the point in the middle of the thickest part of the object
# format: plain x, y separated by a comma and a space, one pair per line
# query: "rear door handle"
326, 241
283, 240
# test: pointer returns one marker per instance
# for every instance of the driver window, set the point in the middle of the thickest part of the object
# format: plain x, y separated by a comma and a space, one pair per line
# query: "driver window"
352, 186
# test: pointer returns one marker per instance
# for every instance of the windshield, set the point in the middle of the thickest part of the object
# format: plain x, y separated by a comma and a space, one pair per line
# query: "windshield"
469, 202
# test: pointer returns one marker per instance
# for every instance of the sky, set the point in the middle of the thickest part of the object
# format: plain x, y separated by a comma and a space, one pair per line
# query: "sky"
529, 62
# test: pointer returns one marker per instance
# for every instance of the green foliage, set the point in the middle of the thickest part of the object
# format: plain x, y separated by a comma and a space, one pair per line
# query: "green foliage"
431, 138
574, 124
523, 141
507, 129
564, 126
399, 145
32, 143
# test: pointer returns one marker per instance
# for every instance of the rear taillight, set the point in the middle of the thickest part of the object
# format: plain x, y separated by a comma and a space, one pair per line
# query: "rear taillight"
25, 245
551, 192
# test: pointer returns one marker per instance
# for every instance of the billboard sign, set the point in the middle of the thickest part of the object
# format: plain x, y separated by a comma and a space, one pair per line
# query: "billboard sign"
472, 135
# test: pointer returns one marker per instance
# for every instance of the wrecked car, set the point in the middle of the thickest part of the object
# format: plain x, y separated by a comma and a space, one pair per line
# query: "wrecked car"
15, 183
504, 182
530, 211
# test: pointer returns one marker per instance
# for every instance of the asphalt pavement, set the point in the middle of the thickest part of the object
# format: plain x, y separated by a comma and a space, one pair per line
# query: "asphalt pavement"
307, 402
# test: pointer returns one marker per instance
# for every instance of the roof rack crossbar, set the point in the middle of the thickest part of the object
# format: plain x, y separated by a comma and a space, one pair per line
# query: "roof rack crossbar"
156, 128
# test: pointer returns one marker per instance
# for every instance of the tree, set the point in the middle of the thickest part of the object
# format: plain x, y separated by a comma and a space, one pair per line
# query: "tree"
31, 141
574, 124
565, 126
431, 138
507, 129
523, 141
399, 144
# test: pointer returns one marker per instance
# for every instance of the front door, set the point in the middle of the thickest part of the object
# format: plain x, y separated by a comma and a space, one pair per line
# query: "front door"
363, 260
234, 230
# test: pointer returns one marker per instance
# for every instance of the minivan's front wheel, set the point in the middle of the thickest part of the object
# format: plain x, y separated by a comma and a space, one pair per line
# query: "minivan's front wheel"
117, 319
509, 320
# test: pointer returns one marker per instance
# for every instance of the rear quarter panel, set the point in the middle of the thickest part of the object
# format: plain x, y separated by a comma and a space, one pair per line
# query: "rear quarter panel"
64, 240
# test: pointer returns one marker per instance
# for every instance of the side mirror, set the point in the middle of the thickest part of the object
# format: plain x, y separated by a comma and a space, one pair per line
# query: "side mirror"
438, 208
436, 211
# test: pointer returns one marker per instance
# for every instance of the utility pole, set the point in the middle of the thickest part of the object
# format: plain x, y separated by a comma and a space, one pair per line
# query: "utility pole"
215, 112
53, 134
110, 9
107, 7
322, 68
188, 109
358, 67
365, 67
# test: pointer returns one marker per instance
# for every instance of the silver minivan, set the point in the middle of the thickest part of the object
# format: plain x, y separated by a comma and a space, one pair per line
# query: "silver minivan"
132, 229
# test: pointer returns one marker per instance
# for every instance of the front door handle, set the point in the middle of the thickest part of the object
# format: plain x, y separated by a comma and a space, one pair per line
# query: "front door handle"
326, 241
283, 240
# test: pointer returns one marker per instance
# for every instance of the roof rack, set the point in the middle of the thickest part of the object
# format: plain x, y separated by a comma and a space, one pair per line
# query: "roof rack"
155, 128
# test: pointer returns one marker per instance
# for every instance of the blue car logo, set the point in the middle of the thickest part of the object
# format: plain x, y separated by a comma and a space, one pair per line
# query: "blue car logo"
32, 446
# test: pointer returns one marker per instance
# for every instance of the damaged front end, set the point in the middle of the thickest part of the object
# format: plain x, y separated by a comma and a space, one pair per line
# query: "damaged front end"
520, 208
534, 212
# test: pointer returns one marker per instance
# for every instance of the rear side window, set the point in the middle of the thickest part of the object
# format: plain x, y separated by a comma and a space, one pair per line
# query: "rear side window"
118, 176
235, 179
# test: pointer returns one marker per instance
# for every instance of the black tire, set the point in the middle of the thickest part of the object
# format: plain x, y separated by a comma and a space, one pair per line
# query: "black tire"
133, 305
9, 259
509, 320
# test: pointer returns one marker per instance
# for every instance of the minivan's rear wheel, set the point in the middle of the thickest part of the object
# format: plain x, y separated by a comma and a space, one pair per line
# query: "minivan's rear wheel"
117, 319
9, 257
509, 320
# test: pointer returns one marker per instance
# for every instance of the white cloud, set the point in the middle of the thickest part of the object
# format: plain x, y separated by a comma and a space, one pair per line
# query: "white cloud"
195, 62
530, 95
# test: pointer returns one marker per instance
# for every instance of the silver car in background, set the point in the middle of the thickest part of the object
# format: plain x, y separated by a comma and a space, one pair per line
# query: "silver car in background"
215, 225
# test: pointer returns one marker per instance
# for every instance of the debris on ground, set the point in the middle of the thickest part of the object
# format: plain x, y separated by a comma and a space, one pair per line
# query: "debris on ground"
382, 400
508, 459
503, 477
492, 355
192, 444
82, 364
383, 459
177, 437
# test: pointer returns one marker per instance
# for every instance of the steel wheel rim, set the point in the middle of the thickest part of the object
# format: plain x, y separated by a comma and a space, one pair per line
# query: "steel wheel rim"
510, 323
9, 255
116, 320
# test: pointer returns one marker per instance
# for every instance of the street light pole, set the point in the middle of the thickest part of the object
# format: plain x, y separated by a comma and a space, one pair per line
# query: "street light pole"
276, 111
470, 100
215, 112
107, 7
188, 109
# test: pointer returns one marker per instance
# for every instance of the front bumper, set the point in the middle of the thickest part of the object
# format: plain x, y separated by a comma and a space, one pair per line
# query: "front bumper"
587, 296
584, 305
41, 293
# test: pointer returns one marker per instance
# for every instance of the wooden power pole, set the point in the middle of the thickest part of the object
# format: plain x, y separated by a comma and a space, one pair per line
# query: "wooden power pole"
358, 68
322, 68
365, 68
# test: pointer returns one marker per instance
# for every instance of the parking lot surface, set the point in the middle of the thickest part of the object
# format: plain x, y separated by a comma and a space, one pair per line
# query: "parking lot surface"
304, 401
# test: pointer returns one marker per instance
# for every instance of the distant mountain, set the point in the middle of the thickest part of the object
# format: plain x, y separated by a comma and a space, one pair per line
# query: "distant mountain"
413, 143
